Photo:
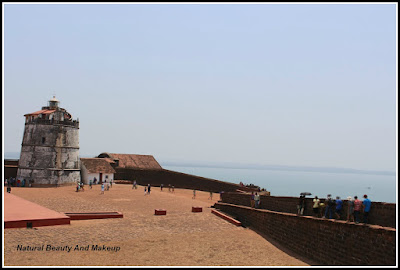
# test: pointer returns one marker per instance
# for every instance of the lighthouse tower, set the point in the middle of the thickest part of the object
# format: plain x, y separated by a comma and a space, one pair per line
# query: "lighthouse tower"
50, 147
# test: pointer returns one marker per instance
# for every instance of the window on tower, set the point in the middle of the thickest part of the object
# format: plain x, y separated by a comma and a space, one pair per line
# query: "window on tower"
43, 140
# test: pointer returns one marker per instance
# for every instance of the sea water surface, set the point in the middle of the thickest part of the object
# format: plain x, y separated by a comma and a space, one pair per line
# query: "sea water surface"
379, 188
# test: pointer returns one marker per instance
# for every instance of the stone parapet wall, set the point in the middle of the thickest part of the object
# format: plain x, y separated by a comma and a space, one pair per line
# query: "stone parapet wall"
177, 179
381, 213
73, 123
327, 242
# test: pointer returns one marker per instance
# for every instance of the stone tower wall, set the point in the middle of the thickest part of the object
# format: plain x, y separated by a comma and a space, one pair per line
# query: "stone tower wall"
50, 153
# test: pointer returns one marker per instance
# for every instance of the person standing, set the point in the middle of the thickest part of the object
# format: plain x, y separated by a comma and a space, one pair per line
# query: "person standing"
211, 194
9, 186
329, 205
302, 205
339, 207
357, 209
161, 187
350, 209
299, 204
366, 208
148, 189
90, 183
102, 188
321, 209
173, 189
316, 206
194, 194
145, 191
252, 203
134, 184
256, 200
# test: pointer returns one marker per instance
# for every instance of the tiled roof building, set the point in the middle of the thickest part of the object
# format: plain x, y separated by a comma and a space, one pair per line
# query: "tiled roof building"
141, 162
97, 165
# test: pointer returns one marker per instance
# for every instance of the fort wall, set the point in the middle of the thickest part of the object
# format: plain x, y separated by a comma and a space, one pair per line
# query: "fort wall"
381, 213
327, 242
176, 179
10, 168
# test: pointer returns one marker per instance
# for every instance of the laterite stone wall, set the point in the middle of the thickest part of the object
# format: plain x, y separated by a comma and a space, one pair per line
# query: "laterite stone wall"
381, 213
327, 242
177, 179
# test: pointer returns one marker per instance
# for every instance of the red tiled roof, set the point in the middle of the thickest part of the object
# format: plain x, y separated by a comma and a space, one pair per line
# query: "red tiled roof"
40, 112
110, 160
96, 165
134, 161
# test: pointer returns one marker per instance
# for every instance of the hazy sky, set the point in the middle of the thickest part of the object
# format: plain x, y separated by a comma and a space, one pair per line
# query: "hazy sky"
289, 84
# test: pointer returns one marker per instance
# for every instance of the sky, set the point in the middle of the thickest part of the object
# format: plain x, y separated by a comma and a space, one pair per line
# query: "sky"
285, 84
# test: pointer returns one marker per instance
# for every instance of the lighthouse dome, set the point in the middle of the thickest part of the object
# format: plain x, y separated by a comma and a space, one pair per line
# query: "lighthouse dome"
53, 103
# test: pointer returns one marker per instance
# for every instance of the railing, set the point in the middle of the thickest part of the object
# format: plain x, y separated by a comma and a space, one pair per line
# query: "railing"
73, 123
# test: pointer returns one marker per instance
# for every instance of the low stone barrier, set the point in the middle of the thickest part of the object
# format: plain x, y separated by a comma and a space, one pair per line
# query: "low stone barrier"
226, 217
97, 215
328, 242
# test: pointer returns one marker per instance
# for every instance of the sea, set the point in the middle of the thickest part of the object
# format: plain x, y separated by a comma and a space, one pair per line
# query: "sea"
379, 188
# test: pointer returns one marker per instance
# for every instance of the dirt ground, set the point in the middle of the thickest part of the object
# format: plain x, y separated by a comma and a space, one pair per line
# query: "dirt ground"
140, 238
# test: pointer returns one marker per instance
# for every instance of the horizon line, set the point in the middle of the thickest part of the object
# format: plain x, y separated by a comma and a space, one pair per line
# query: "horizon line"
254, 166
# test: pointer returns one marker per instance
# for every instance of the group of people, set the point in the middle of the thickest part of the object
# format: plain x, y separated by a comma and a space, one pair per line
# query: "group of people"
251, 186
104, 185
14, 182
147, 189
80, 187
209, 198
330, 206
255, 200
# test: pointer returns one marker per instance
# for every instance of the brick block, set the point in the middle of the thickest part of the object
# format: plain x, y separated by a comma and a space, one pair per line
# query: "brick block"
197, 209
160, 212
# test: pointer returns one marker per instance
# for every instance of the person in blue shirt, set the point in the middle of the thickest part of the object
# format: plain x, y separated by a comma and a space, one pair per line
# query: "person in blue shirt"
339, 207
366, 208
